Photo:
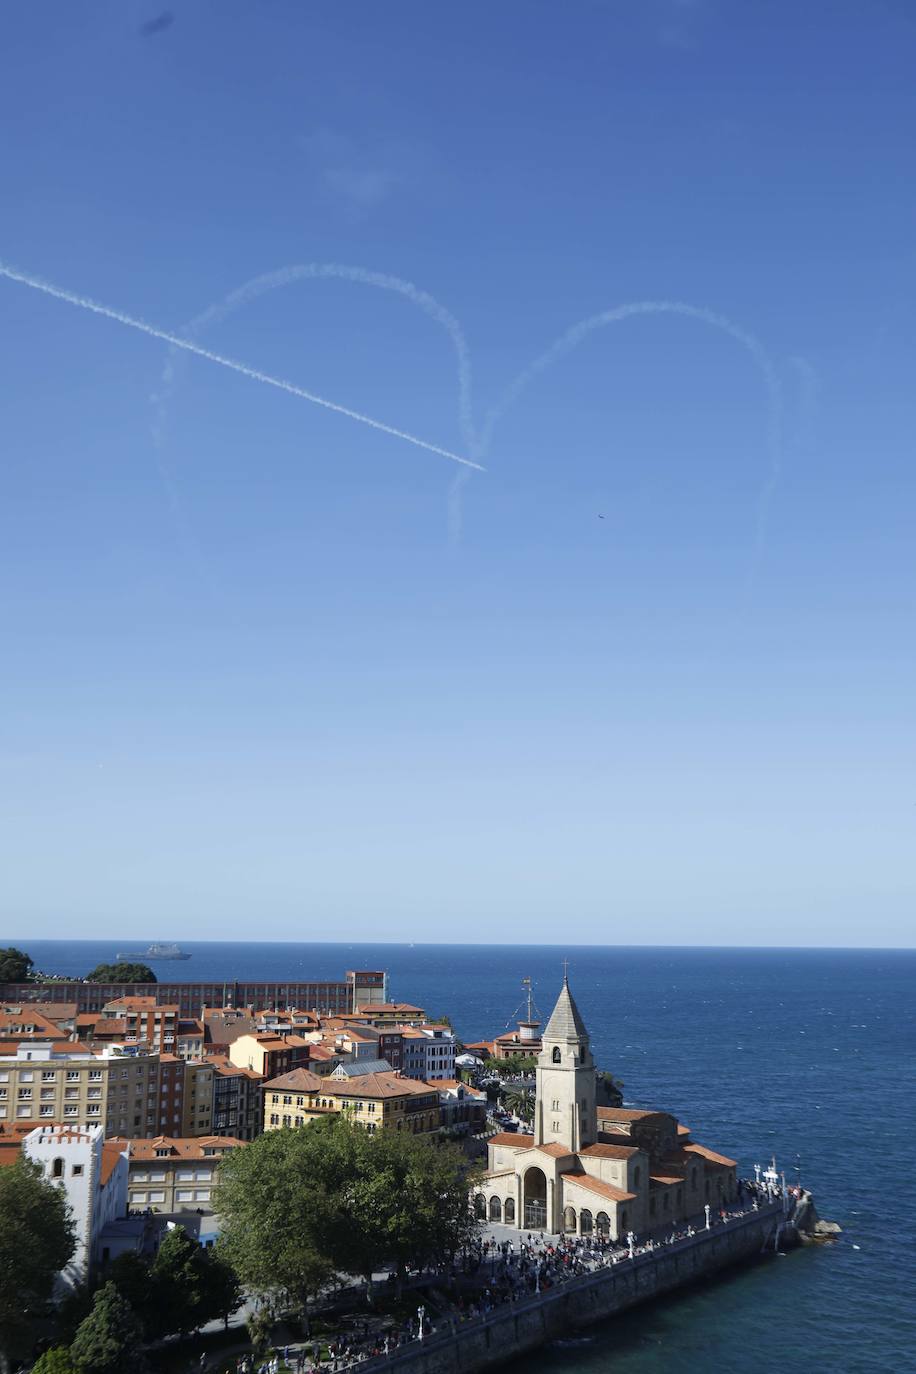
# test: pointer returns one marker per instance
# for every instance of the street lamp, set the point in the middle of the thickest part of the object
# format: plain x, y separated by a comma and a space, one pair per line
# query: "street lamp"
421, 1313
706, 1209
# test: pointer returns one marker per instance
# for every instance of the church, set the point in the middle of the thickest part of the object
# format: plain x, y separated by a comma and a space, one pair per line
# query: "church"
588, 1170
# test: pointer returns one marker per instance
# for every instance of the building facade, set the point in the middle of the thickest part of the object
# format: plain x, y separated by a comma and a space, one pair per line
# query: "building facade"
93, 1174
173, 1174
375, 1101
360, 987
63, 1082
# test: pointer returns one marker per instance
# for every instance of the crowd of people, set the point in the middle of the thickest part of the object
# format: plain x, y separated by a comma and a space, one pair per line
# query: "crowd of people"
494, 1272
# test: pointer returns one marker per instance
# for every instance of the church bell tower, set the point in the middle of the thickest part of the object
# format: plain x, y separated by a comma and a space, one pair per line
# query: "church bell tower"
565, 1109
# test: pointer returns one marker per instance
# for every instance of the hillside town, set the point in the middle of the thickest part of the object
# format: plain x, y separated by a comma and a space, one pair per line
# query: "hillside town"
141, 1102
257, 1158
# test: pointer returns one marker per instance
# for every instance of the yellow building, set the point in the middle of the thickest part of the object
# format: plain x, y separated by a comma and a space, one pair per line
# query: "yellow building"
374, 1100
197, 1106
65, 1083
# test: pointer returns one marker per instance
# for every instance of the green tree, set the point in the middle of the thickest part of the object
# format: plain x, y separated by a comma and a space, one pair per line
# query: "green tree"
121, 973
54, 1361
131, 1276
15, 966
277, 1216
221, 1291
36, 1241
110, 1338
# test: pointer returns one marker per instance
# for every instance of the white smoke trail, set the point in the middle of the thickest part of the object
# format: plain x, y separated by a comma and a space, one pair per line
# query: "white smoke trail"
85, 303
322, 271
578, 332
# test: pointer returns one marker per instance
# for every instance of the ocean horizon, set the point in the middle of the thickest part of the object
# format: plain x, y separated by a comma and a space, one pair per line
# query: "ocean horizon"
805, 1054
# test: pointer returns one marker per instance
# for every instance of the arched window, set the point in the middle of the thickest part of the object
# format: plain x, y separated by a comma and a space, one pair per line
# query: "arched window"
556, 1054
585, 1222
57, 1168
480, 1204
569, 1219
603, 1224
509, 1211
624, 1220
496, 1209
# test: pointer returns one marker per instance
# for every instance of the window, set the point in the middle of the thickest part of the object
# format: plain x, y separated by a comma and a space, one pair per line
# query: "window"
57, 1168
556, 1054
157, 1197
555, 1104
636, 1176
184, 1195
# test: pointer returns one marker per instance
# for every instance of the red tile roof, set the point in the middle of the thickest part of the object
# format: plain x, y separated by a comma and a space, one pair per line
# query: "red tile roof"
710, 1155
595, 1185
602, 1151
520, 1142
179, 1147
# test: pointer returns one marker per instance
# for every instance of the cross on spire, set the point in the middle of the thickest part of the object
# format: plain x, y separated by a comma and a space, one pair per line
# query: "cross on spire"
565, 970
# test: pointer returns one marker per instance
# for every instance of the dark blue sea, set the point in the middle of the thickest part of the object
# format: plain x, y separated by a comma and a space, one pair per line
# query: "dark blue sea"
805, 1054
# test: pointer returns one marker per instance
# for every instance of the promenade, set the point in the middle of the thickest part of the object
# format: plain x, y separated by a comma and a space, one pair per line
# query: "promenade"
512, 1291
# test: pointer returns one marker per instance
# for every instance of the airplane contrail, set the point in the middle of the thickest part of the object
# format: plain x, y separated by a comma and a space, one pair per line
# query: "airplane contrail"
578, 332
86, 303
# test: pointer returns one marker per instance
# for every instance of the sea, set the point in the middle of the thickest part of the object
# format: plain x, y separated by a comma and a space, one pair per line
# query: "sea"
805, 1055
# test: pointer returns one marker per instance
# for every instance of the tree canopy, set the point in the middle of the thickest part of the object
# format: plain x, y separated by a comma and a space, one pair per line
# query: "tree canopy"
15, 966
184, 1287
301, 1205
36, 1241
121, 973
110, 1338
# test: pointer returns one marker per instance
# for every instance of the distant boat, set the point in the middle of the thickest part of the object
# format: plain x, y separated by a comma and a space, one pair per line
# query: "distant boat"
154, 951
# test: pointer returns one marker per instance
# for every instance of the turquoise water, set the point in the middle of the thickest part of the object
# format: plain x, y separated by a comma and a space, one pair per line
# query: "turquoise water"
808, 1054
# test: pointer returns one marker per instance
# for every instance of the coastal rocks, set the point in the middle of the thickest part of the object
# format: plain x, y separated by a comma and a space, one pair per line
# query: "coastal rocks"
810, 1227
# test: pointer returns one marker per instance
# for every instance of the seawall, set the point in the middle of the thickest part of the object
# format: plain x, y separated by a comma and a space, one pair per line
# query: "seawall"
517, 1327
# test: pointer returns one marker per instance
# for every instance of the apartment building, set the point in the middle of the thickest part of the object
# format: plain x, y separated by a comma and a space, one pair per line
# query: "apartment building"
64, 1082
145, 1020
427, 1052
268, 1054
175, 1174
236, 1100
376, 1101
197, 1114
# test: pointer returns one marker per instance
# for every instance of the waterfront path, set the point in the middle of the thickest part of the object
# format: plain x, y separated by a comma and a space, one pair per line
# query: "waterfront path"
511, 1269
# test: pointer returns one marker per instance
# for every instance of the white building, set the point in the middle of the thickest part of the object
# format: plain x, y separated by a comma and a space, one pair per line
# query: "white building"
427, 1052
93, 1174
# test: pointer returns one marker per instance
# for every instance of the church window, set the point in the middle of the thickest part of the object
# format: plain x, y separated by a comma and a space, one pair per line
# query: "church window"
556, 1054
555, 1126
555, 1104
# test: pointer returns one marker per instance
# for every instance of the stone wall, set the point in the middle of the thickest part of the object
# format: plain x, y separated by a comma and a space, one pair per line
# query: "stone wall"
521, 1326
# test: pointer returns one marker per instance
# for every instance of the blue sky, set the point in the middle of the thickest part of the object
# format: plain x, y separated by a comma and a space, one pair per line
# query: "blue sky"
269, 672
